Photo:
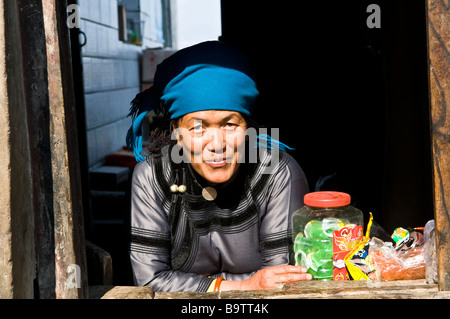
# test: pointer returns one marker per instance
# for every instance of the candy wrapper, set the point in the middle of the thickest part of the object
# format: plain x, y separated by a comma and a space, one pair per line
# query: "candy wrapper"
400, 236
358, 260
345, 240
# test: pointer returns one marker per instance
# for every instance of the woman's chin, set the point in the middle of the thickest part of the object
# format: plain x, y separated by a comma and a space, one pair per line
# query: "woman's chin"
218, 174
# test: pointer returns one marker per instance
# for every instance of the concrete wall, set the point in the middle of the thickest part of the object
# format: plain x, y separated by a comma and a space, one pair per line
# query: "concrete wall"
111, 72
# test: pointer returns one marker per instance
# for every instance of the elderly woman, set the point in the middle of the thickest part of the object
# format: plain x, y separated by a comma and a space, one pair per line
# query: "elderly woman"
204, 215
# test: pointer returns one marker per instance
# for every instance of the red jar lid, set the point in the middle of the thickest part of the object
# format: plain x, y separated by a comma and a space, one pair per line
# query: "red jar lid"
327, 199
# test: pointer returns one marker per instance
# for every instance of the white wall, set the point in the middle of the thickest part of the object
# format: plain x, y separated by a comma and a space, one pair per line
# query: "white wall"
111, 75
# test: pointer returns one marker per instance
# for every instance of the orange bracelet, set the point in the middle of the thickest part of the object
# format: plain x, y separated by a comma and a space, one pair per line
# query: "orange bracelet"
217, 285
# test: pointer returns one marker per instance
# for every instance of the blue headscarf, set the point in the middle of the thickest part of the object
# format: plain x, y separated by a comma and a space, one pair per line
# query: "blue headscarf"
205, 87
208, 76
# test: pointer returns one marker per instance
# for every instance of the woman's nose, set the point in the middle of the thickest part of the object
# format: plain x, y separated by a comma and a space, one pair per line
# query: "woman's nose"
216, 141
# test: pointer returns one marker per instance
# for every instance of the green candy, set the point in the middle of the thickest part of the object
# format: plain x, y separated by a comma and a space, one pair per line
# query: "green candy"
312, 272
314, 250
313, 229
325, 271
320, 257
330, 224
304, 244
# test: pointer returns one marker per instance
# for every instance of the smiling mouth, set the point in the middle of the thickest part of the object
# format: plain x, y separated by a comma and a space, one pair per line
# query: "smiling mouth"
217, 162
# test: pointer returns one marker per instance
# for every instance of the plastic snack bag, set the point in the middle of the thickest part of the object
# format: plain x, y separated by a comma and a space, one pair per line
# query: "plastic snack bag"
397, 264
431, 265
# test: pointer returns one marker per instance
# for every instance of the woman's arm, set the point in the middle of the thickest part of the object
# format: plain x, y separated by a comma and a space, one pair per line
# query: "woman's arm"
285, 194
150, 245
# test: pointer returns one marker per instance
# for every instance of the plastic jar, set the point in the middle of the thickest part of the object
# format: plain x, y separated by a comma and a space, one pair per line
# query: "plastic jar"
317, 224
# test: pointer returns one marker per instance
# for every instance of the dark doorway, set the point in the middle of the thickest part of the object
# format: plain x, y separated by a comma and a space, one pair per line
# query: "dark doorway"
352, 100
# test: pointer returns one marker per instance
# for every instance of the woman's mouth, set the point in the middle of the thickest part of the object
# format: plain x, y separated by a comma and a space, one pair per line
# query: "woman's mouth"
217, 162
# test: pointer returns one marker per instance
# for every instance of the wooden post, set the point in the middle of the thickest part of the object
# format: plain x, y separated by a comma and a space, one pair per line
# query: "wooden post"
17, 258
36, 94
42, 247
438, 24
70, 254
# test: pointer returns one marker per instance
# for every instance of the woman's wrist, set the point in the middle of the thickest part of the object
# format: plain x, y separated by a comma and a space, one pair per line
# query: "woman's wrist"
228, 285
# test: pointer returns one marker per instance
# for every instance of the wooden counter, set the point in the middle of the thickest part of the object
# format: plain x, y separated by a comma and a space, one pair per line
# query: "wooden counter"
402, 289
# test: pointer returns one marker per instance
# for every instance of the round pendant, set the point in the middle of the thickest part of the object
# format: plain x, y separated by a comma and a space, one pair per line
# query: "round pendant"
182, 189
174, 188
209, 193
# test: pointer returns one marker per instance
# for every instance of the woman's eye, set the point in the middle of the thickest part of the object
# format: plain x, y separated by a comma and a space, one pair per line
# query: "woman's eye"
198, 129
230, 126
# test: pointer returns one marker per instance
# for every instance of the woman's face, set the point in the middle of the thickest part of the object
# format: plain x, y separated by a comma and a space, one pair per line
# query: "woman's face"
213, 143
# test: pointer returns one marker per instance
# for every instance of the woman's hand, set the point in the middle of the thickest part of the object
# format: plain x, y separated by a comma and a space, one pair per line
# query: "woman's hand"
271, 277
268, 278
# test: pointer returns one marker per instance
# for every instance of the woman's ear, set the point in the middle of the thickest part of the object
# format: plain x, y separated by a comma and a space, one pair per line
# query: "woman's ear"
176, 132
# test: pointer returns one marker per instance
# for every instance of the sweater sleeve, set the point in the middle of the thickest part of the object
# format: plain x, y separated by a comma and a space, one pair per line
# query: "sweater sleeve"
150, 244
285, 196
